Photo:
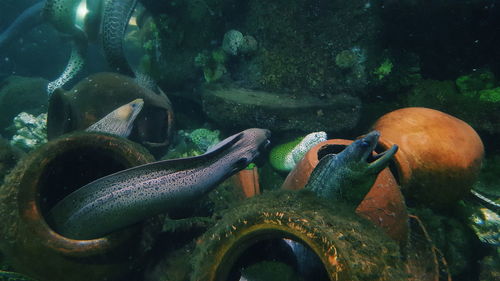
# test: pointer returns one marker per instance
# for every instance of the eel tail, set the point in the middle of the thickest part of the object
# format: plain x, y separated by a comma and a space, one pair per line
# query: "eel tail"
115, 20
75, 64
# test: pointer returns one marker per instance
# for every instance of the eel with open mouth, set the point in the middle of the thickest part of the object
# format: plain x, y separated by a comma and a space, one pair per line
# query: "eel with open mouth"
349, 175
130, 196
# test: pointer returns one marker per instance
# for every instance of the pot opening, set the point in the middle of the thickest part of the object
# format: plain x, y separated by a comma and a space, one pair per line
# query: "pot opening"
330, 149
276, 258
73, 169
151, 125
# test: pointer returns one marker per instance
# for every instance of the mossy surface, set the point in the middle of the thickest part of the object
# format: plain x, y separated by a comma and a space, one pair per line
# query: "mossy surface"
297, 44
336, 234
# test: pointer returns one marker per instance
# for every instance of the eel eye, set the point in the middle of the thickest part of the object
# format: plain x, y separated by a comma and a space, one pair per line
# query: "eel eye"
365, 144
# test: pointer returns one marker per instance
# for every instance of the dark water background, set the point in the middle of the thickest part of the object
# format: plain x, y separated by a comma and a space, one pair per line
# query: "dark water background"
429, 44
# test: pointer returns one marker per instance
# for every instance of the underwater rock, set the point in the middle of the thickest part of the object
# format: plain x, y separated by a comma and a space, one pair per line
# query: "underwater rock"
297, 43
21, 94
99, 94
232, 41
31, 131
45, 176
238, 107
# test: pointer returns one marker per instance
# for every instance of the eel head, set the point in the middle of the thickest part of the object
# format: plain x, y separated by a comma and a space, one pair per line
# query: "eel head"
360, 154
246, 147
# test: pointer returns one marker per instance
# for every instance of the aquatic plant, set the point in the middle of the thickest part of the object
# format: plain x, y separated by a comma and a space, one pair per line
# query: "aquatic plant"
203, 138
383, 69
490, 95
212, 64
472, 83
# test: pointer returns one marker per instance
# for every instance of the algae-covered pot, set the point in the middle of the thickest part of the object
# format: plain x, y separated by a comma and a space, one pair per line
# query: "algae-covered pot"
384, 204
439, 156
99, 94
43, 178
328, 242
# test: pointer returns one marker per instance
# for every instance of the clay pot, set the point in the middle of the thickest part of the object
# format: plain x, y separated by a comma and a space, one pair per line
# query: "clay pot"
99, 94
383, 205
346, 247
248, 181
43, 178
439, 156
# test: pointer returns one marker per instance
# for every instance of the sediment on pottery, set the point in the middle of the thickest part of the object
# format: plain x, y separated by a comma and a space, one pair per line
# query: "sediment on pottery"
346, 246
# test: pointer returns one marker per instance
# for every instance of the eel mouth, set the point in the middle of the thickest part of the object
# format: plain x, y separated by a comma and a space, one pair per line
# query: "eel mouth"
377, 162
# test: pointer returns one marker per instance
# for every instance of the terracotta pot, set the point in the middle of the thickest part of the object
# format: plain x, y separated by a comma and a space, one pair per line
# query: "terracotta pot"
439, 156
97, 95
248, 181
346, 247
43, 178
383, 205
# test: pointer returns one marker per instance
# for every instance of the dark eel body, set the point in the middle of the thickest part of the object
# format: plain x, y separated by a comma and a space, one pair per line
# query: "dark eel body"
29, 19
349, 175
115, 21
132, 195
115, 16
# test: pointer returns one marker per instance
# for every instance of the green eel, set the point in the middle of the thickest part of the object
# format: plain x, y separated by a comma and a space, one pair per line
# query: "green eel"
349, 175
120, 121
130, 196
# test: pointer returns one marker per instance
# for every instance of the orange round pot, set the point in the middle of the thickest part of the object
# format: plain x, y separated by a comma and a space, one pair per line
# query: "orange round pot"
439, 156
383, 205
39, 181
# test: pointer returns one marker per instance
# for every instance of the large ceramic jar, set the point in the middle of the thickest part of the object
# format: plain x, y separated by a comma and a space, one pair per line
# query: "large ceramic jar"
439, 156
39, 181
384, 204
